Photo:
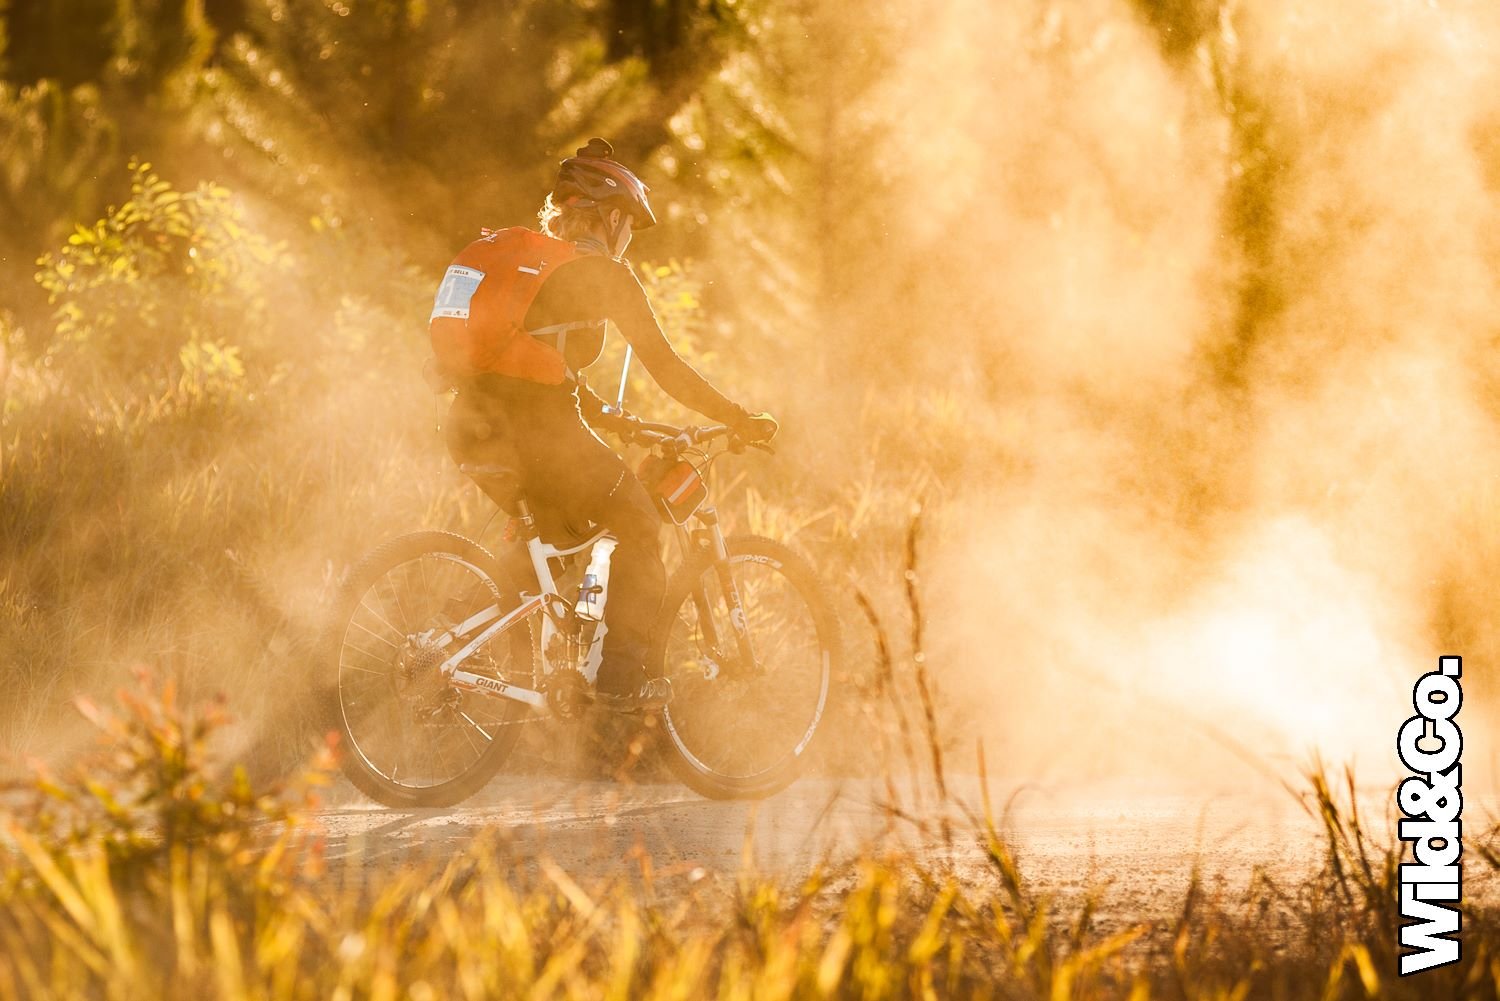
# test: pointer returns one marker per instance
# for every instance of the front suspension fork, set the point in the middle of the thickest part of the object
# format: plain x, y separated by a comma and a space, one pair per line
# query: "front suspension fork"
710, 538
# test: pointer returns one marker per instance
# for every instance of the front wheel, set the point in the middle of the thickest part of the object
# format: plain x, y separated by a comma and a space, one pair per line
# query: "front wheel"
745, 708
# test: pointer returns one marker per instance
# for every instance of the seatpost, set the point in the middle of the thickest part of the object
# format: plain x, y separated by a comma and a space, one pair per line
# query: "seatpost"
523, 515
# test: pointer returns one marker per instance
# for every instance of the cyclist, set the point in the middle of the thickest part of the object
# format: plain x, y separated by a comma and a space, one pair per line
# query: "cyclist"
519, 316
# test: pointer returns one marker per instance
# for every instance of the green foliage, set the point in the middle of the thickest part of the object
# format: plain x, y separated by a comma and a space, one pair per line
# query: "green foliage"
157, 285
382, 110
52, 144
141, 852
137, 45
675, 294
394, 104
209, 370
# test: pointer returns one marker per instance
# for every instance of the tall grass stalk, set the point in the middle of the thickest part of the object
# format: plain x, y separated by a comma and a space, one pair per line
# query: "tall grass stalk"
151, 872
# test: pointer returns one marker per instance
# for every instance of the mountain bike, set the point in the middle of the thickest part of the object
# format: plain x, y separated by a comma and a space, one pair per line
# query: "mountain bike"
441, 651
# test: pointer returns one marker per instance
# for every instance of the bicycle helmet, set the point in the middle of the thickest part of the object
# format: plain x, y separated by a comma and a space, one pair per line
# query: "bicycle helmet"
592, 177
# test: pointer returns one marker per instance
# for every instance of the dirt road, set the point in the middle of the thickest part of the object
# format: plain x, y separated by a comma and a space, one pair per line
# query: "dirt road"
1139, 846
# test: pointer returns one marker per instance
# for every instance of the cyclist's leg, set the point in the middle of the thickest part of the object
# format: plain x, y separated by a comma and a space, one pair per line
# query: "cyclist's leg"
477, 431
637, 580
570, 471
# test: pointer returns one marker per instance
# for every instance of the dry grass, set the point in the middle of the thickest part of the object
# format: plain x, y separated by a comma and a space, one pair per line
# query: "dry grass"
149, 872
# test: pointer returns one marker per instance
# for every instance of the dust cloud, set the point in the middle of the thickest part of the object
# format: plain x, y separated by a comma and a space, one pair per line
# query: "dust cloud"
1216, 293
1187, 308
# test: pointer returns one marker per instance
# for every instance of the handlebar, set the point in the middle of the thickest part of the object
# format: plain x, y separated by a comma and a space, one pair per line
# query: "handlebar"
675, 439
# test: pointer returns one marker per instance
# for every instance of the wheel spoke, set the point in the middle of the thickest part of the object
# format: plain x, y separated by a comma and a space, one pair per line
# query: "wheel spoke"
383, 659
399, 732
406, 620
742, 725
373, 634
361, 670
435, 743
470, 720
378, 610
382, 612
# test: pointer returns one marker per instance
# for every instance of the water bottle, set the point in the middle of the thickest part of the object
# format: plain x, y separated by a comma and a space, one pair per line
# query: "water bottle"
594, 588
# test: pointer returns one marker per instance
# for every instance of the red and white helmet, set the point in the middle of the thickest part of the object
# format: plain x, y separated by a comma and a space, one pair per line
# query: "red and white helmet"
593, 177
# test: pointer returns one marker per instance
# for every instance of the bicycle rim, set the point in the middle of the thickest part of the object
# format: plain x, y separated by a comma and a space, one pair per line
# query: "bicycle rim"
740, 728
408, 727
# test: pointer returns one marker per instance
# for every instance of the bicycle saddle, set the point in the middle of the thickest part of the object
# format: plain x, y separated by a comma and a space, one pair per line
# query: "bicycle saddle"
501, 483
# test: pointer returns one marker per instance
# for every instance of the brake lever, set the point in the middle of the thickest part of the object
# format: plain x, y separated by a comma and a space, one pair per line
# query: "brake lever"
738, 443
623, 428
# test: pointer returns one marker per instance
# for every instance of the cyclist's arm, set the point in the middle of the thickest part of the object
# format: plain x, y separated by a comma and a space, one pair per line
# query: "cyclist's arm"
591, 406
628, 306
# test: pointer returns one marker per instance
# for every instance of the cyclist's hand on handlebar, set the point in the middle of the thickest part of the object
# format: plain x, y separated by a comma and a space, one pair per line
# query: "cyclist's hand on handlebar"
757, 429
620, 423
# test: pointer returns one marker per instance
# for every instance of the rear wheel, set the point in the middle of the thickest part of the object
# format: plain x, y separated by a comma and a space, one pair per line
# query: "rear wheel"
409, 737
737, 730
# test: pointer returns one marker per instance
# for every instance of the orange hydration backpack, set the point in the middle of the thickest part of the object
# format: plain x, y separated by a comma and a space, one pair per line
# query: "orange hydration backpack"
478, 318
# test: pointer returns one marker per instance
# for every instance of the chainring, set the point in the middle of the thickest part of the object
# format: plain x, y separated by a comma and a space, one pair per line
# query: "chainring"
568, 693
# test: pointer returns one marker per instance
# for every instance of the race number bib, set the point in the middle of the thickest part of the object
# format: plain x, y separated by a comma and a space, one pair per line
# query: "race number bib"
456, 292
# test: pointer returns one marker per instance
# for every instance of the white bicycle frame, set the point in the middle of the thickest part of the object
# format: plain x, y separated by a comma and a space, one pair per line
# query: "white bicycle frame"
490, 623
546, 599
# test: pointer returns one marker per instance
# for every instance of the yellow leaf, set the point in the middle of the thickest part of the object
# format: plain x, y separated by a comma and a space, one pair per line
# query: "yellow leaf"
831, 966
226, 951
1366, 967
61, 887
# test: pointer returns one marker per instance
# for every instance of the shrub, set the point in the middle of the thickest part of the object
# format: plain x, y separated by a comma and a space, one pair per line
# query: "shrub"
152, 292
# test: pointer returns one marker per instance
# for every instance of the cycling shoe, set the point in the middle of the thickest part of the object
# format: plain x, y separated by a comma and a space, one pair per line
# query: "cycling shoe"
649, 697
